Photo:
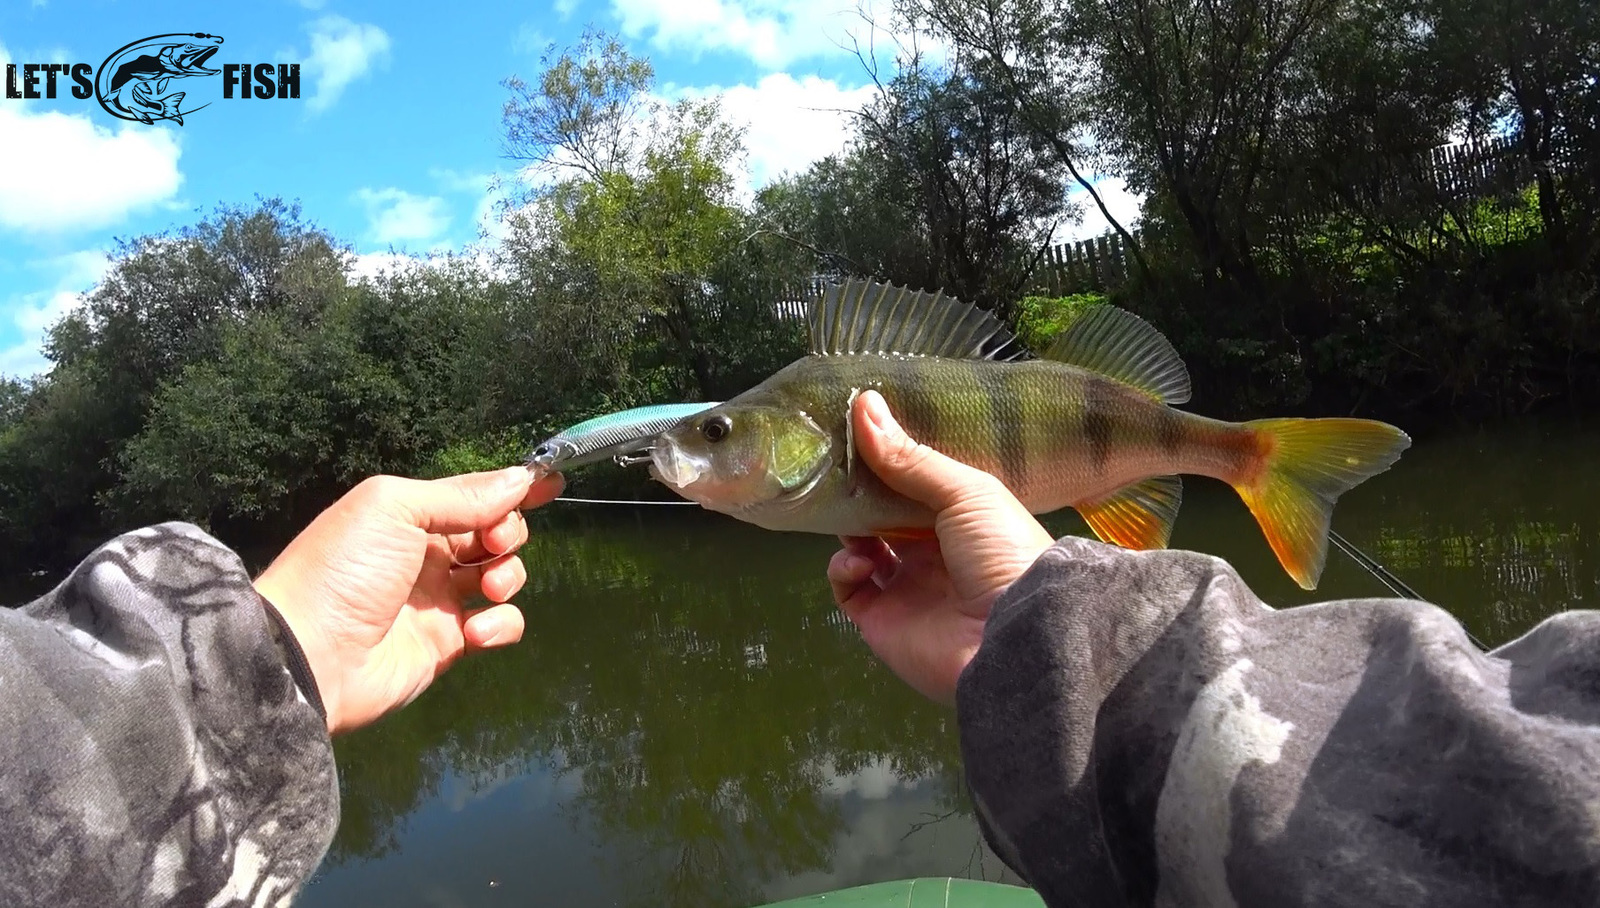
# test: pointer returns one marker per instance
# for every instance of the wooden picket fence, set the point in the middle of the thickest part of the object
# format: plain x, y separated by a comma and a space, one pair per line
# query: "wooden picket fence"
1099, 263
1472, 168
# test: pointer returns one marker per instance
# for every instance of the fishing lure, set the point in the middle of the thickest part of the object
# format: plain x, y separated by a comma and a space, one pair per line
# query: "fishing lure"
619, 435
623, 436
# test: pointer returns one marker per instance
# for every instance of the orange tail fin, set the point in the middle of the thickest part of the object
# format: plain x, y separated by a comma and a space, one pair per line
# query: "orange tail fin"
1308, 464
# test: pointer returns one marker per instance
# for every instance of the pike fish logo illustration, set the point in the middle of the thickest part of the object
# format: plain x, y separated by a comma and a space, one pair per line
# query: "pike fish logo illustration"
137, 81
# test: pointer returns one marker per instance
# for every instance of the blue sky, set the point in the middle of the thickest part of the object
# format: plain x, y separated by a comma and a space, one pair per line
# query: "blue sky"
396, 135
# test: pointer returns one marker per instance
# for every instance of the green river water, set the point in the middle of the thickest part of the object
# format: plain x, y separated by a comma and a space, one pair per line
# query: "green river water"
689, 722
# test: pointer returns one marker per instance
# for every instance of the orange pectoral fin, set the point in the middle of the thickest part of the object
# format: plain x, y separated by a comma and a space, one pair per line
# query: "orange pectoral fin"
906, 534
1138, 516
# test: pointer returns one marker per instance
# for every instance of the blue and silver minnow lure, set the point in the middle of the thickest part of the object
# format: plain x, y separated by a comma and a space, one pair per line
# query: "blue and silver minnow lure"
619, 435
624, 436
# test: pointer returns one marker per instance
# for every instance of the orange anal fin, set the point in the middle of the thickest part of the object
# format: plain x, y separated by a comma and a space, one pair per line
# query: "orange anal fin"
1137, 516
906, 534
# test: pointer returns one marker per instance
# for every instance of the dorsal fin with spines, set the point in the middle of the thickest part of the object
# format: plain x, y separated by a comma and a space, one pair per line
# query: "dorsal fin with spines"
871, 317
1118, 344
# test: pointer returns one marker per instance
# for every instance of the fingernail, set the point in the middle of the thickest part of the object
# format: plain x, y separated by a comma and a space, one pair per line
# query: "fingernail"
495, 631
514, 478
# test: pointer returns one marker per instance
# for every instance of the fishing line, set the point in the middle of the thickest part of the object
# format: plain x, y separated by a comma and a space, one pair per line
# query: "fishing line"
1384, 575
1388, 579
692, 504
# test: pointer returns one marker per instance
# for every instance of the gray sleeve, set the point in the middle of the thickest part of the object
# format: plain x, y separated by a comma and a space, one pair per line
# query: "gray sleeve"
1138, 728
157, 748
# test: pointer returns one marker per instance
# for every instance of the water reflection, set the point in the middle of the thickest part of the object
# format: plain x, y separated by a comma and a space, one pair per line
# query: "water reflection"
719, 727
690, 722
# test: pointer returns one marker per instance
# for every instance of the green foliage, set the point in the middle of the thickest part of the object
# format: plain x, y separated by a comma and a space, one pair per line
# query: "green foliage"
493, 451
1041, 318
587, 111
1301, 241
639, 247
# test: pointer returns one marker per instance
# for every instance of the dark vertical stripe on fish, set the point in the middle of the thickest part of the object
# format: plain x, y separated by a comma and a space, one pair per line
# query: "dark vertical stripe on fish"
1098, 427
921, 419
1005, 414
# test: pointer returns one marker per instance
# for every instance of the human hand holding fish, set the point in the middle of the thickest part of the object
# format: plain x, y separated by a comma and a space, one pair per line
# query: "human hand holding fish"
921, 604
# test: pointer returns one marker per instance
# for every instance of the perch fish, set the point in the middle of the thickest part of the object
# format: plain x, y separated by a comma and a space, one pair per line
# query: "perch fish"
1091, 425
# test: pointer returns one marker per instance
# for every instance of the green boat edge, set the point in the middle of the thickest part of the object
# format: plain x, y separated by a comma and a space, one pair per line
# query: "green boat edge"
922, 892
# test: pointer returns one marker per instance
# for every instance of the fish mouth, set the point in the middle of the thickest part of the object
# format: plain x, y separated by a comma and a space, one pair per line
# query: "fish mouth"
675, 467
191, 61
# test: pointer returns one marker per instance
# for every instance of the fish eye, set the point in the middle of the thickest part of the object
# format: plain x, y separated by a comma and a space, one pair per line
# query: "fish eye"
716, 428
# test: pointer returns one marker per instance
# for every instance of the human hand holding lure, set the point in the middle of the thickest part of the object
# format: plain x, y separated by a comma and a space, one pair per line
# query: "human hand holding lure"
624, 437
375, 592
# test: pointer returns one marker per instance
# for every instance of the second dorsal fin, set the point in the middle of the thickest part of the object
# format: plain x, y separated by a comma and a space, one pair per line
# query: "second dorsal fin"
860, 316
1120, 345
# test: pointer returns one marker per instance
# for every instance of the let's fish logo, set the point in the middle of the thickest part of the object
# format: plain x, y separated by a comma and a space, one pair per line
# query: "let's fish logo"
160, 78
139, 81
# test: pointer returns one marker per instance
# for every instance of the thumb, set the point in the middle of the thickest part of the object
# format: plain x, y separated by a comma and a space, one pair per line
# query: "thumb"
462, 504
912, 469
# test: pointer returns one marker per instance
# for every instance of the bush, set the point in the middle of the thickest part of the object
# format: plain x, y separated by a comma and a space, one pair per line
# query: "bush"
1041, 318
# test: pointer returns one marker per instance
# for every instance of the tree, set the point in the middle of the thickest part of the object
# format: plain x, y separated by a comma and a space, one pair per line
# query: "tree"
942, 187
637, 212
292, 412
165, 305
1530, 69
588, 111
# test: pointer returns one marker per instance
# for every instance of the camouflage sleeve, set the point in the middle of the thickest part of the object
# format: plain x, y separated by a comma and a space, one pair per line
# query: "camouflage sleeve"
1138, 728
164, 743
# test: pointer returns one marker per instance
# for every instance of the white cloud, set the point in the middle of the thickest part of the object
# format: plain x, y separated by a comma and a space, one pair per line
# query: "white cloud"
1125, 206
772, 33
62, 172
529, 40
342, 52
490, 192
456, 181
397, 216
790, 122
34, 313
367, 265
874, 782
565, 8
